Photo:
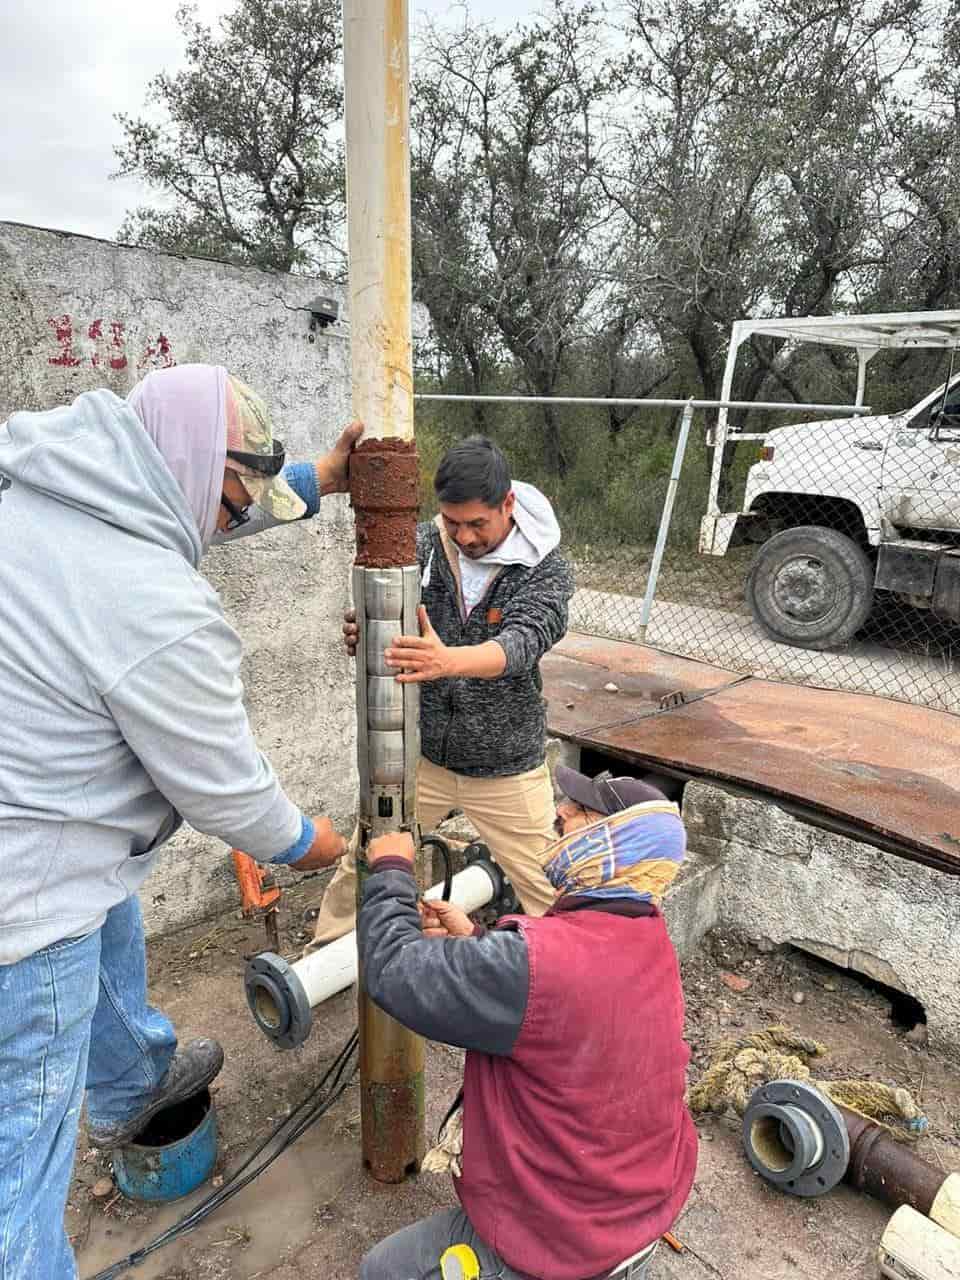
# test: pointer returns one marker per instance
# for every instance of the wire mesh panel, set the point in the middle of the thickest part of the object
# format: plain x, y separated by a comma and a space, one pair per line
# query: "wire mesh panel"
831, 556
823, 552
613, 576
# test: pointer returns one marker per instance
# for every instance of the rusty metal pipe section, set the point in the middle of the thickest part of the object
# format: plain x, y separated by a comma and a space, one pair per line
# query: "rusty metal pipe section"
384, 491
386, 593
887, 1169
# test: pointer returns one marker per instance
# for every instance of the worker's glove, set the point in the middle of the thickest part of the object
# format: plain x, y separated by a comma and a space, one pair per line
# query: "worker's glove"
326, 848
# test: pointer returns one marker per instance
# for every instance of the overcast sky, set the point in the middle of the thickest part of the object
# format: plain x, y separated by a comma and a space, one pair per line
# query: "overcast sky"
66, 66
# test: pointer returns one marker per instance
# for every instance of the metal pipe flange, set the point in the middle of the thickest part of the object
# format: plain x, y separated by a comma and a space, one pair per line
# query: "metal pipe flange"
796, 1138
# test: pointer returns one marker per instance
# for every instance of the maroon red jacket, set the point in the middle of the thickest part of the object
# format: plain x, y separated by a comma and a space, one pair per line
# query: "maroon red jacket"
578, 1149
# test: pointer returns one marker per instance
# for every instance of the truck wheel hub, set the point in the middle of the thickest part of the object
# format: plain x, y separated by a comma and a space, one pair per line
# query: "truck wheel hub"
803, 589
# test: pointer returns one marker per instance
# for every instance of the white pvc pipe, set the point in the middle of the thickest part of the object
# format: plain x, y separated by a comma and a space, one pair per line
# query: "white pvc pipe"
914, 1246
377, 117
334, 967
945, 1209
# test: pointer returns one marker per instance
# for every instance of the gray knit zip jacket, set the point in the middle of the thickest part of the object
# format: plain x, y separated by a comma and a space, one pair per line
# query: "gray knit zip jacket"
491, 728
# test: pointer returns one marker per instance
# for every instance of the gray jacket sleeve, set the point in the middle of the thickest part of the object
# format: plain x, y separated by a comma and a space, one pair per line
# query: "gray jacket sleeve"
535, 619
469, 992
182, 715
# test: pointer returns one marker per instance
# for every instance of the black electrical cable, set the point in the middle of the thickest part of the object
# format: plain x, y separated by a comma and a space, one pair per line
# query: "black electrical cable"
306, 1113
435, 842
292, 1127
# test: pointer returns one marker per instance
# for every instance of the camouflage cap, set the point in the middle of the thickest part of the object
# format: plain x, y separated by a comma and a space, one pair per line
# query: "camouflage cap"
250, 430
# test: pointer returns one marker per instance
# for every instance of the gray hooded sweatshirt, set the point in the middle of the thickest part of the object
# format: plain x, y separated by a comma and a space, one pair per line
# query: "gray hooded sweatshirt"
120, 695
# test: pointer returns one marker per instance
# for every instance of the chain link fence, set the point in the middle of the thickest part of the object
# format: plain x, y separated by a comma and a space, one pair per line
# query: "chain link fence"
823, 552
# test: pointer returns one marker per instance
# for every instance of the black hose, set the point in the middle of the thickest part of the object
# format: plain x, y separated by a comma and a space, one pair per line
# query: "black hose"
305, 1114
437, 842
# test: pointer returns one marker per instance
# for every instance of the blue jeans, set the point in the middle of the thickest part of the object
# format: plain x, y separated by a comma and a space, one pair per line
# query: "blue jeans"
72, 1017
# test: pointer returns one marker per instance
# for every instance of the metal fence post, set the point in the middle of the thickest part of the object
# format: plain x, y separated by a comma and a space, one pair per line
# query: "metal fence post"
665, 517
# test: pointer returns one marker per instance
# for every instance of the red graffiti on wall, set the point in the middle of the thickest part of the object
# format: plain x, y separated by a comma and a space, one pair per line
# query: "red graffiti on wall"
107, 347
156, 355
95, 333
63, 331
118, 360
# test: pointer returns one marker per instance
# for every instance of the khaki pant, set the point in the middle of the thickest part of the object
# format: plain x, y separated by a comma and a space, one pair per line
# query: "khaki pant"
513, 815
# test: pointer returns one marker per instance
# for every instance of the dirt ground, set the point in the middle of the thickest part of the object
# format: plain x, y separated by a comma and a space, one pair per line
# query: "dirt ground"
314, 1213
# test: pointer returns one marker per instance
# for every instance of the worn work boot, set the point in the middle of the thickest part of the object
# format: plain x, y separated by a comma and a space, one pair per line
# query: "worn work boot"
191, 1070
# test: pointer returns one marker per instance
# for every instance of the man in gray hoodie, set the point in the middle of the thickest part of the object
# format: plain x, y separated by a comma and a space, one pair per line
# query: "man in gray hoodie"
122, 715
495, 592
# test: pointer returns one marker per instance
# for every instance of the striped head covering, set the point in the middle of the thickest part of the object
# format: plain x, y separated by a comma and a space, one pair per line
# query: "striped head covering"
633, 854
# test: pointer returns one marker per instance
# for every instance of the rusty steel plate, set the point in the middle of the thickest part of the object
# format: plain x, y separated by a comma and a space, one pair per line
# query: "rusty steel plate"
883, 768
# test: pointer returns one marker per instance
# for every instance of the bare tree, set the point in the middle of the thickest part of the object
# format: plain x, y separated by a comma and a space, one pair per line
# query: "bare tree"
508, 213
752, 169
242, 142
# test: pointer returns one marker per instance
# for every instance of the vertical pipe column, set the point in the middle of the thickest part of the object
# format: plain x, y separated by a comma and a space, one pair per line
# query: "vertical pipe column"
383, 486
383, 489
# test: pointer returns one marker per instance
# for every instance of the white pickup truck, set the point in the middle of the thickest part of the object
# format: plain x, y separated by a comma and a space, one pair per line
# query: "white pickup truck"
845, 508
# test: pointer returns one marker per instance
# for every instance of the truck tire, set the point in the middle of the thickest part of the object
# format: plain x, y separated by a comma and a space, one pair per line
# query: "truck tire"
811, 587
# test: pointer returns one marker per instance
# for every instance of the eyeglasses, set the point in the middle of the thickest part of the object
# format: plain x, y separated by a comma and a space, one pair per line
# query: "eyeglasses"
238, 515
267, 464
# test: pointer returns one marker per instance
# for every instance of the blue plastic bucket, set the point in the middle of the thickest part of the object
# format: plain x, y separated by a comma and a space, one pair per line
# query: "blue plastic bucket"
173, 1155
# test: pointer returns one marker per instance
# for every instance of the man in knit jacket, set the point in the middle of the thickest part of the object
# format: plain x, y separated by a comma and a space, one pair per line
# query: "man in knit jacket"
495, 592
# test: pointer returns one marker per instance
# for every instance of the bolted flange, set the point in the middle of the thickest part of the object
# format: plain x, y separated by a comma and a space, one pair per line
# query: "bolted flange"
796, 1138
504, 901
277, 1000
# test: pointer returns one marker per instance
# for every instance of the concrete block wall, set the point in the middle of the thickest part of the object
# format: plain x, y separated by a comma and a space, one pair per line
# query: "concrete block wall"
786, 881
78, 313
